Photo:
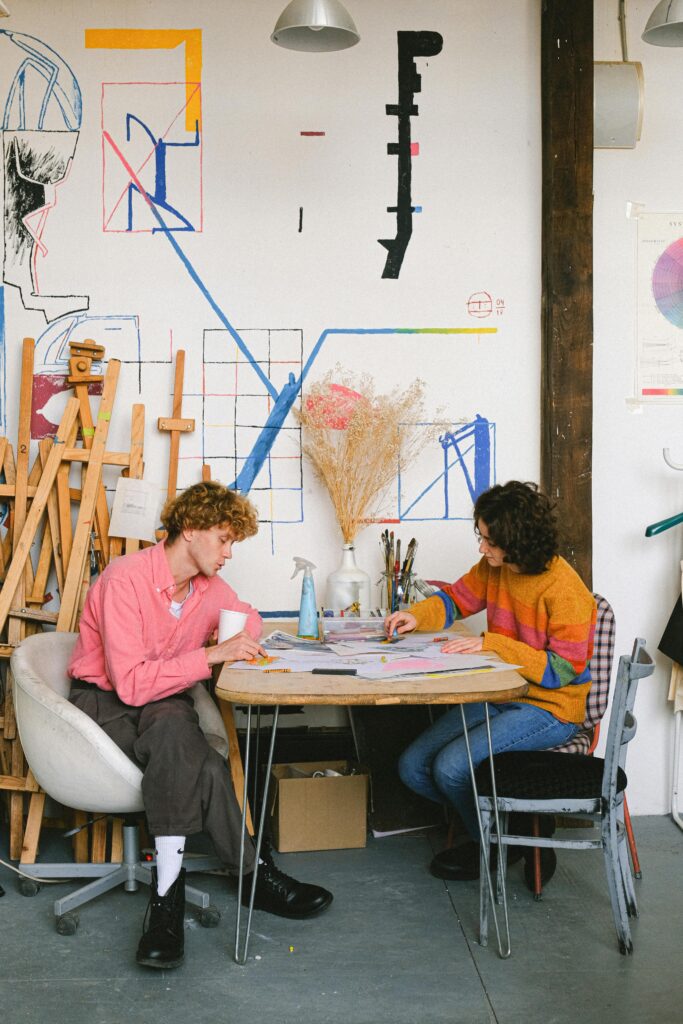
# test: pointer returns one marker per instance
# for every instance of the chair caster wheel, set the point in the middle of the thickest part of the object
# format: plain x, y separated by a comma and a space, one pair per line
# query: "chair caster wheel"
27, 887
67, 924
209, 917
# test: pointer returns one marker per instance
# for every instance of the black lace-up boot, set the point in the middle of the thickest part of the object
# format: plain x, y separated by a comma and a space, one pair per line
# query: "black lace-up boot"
278, 893
163, 938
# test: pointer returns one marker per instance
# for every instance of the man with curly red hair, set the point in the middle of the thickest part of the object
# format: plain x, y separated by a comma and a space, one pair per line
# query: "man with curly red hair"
540, 616
142, 645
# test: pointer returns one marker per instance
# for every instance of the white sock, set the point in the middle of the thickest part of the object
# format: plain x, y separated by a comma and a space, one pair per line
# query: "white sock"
169, 851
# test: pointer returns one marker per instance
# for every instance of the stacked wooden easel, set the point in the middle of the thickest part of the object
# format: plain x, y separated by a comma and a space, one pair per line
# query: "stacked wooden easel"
42, 542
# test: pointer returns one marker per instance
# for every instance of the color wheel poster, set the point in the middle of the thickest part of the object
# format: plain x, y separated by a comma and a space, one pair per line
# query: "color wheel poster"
659, 372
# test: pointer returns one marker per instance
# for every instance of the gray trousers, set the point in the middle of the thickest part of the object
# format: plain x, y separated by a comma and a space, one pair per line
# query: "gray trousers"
186, 784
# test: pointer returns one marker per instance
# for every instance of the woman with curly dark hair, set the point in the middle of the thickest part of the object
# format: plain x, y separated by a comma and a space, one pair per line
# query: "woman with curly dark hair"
540, 616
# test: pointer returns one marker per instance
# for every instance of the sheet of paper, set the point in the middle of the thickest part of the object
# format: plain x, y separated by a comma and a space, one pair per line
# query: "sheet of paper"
135, 512
433, 666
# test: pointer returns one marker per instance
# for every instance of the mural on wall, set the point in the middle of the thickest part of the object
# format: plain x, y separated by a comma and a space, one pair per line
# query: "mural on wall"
3, 385
410, 46
448, 490
41, 119
119, 334
234, 410
152, 145
166, 157
660, 306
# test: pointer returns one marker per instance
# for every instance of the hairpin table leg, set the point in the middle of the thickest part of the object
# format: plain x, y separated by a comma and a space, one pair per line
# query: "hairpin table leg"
241, 955
504, 953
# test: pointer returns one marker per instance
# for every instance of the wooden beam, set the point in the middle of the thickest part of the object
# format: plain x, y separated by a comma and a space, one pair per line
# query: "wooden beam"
567, 271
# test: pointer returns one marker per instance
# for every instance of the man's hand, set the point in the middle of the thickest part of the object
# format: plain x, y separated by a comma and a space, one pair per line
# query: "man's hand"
463, 645
240, 647
402, 622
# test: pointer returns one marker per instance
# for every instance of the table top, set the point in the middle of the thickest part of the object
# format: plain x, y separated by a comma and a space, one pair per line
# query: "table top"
250, 687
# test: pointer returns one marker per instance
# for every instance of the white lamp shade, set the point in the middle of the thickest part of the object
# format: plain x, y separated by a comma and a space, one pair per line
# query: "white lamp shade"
617, 104
665, 24
315, 26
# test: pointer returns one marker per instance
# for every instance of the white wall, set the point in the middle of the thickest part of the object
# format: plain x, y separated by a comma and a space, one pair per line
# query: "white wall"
632, 486
477, 178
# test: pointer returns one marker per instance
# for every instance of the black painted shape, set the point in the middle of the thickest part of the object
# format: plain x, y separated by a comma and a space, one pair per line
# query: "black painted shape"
410, 45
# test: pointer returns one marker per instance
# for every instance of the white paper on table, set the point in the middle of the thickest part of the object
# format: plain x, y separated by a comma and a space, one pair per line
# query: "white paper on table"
135, 512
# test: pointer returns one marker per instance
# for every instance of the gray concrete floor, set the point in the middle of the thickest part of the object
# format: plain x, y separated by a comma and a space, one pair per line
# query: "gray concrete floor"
397, 946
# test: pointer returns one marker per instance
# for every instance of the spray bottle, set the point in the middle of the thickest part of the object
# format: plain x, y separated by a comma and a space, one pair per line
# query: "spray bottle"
308, 609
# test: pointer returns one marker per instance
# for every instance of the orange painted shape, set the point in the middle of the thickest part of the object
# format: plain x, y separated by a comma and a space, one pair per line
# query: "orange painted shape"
159, 39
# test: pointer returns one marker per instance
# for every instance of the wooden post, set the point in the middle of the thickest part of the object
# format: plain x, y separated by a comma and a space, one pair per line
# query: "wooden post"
567, 268
176, 425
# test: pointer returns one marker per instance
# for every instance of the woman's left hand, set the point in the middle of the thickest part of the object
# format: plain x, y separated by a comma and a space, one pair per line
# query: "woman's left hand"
463, 645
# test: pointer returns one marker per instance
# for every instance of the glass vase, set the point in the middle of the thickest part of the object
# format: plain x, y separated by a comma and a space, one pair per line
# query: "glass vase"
348, 588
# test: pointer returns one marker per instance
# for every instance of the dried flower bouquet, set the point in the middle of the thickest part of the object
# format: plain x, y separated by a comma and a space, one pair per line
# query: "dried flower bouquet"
358, 441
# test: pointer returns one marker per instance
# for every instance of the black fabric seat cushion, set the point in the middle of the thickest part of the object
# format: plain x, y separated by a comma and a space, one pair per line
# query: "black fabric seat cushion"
545, 775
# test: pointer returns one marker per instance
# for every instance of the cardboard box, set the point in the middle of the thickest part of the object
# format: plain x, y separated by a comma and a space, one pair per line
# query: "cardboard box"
327, 813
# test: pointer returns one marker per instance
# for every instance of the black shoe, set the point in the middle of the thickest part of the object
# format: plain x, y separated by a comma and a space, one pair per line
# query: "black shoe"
163, 938
548, 866
461, 863
278, 893
457, 864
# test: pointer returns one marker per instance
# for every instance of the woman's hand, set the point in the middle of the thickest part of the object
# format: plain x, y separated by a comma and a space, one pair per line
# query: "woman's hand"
402, 622
463, 645
240, 647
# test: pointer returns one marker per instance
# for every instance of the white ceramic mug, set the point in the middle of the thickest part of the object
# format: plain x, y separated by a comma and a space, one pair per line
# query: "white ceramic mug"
230, 623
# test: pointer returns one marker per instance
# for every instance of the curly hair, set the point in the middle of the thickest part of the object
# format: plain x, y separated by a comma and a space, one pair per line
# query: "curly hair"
522, 521
208, 504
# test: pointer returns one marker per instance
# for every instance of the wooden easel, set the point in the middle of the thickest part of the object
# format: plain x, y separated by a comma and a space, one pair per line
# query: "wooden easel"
73, 580
176, 425
12, 597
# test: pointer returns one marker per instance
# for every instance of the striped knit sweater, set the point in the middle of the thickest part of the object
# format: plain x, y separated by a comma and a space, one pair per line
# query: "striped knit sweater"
544, 623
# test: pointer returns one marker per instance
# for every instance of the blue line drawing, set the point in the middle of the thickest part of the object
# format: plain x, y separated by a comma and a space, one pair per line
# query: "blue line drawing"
283, 400
3, 381
474, 454
158, 197
26, 93
276, 472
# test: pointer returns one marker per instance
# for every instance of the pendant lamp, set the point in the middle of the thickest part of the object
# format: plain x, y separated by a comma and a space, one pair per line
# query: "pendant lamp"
665, 24
315, 26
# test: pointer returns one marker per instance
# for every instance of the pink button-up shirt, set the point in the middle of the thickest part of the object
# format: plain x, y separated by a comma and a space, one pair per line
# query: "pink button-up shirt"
131, 643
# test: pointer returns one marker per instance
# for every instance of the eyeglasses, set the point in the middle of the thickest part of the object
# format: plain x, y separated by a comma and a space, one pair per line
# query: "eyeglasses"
485, 540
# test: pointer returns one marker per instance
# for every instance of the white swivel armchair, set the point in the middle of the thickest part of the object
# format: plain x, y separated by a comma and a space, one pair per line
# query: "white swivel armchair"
78, 765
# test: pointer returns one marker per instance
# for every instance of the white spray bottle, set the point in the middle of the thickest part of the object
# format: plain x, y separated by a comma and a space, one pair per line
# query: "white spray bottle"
308, 609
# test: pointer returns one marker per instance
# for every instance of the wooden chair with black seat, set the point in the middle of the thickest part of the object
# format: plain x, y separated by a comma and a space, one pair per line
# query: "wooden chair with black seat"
586, 740
551, 782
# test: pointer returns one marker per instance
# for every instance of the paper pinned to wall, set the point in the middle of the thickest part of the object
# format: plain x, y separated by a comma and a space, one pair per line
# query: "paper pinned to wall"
135, 512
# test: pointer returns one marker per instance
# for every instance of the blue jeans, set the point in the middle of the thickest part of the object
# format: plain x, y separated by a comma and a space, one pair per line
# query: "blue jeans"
435, 765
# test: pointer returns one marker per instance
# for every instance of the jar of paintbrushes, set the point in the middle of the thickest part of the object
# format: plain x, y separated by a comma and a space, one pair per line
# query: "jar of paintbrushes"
397, 579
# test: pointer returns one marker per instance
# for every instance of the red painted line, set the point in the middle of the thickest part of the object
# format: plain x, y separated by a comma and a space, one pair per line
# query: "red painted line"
311, 133
414, 148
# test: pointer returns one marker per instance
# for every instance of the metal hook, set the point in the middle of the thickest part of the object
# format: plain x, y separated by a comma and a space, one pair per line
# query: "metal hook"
669, 461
